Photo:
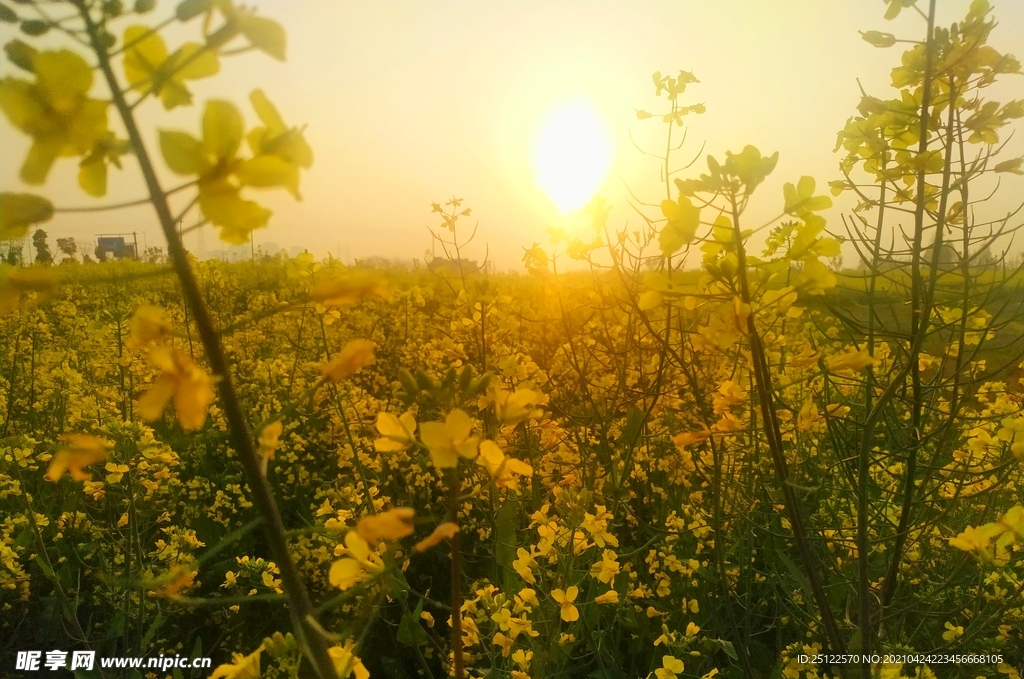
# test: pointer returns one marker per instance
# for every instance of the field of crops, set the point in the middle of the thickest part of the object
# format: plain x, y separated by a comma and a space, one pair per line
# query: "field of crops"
599, 551
691, 448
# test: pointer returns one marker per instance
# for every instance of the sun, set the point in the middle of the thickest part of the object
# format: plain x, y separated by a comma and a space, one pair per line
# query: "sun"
572, 155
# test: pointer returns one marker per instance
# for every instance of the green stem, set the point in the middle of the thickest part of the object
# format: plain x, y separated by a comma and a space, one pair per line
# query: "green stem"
301, 608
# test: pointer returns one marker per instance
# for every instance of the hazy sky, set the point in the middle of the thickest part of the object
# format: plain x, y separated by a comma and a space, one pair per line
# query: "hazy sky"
408, 103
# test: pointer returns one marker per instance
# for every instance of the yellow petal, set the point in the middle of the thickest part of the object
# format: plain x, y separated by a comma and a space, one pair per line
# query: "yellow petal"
222, 204
354, 357
152, 403
192, 398
198, 62
144, 57
357, 546
393, 524
173, 94
222, 129
267, 113
264, 34
269, 170
183, 153
40, 159
92, 176
443, 532
63, 78
20, 104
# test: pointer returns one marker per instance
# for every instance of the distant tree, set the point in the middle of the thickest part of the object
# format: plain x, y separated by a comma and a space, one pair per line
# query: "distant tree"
68, 247
14, 254
43, 254
101, 256
86, 259
155, 255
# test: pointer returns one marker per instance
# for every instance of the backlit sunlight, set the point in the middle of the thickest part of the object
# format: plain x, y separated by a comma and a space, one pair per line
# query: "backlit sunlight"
572, 155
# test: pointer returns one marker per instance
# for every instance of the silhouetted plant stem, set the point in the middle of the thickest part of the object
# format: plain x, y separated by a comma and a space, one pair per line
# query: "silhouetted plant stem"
455, 481
763, 381
306, 629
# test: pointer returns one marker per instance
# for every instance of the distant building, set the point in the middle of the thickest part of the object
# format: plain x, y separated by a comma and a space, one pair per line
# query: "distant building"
115, 247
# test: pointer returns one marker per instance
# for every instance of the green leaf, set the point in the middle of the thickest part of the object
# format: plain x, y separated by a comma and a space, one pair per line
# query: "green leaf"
34, 27
144, 6
410, 631
650, 300
727, 647
153, 628
189, 9
264, 34
8, 15
21, 54
683, 220
45, 567
183, 153
878, 39
19, 211
505, 540
797, 574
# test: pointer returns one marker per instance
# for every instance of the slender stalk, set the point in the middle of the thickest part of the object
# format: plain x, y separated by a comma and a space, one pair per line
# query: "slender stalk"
306, 629
762, 378
458, 669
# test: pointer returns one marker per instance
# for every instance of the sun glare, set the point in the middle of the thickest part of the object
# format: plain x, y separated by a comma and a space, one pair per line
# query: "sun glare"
572, 156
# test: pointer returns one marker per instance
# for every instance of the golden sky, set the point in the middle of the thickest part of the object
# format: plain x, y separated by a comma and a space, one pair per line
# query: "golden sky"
408, 103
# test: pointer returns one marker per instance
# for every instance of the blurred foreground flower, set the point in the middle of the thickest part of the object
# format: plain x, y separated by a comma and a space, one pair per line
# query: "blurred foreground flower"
355, 356
20, 286
190, 386
82, 451
393, 524
54, 110
346, 663
349, 288
446, 531
359, 561
241, 667
149, 324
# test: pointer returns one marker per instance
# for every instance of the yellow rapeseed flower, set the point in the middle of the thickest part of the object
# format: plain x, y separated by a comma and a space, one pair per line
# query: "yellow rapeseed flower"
398, 433
21, 286
670, 667
149, 69
346, 663
443, 532
117, 472
190, 386
349, 288
241, 667
393, 524
222, 174
609, 597
851, 359
54, 110
359, 561
502, 470
449, 440
149, 324
82, 450
564, 599
356, 355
